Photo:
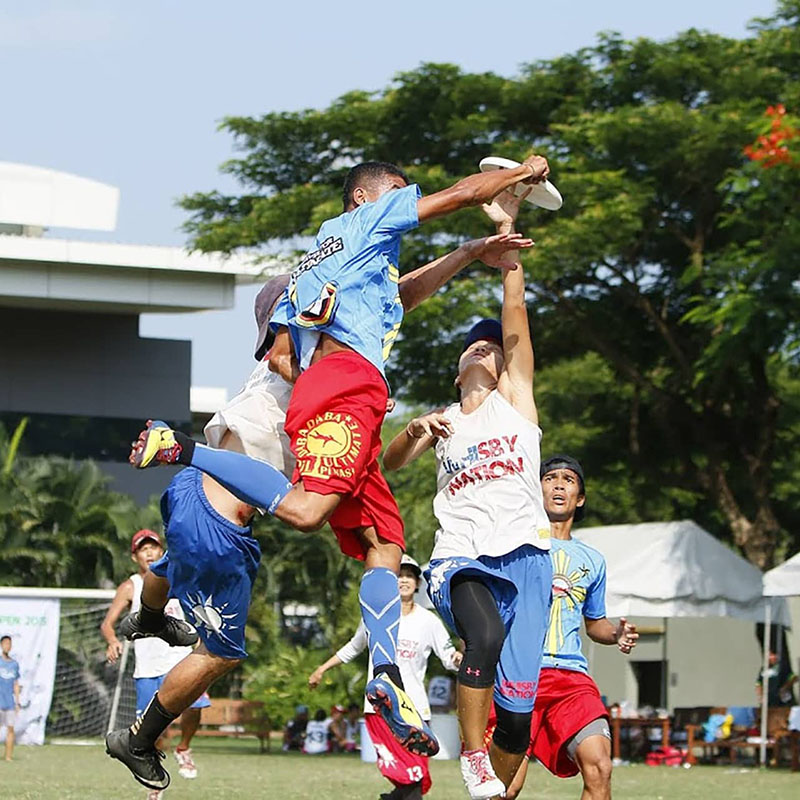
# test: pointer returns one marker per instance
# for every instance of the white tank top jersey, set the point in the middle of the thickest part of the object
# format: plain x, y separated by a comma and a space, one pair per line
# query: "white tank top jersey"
256, 415
155, 657
420, 633
488, 493
316, 740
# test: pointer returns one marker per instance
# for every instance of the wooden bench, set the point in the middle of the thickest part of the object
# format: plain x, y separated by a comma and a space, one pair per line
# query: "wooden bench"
233, 718
777, 732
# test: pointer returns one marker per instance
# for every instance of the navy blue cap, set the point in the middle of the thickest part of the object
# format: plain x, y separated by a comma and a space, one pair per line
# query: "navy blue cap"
490, 329
264, 305
563, 461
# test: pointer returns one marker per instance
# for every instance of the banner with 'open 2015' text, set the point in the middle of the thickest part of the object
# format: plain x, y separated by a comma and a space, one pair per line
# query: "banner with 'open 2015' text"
32, 624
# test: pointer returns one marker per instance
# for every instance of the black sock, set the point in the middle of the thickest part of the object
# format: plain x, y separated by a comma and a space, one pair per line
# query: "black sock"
409, 791
153, 722
392, 671
151, 620
187, 448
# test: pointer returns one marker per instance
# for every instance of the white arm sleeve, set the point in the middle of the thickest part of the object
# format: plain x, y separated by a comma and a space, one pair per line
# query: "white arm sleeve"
355, 646
443, 646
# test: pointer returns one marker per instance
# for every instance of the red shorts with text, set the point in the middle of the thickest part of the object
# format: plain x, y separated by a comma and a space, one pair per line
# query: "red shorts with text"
566, 701
395, 762
334, 425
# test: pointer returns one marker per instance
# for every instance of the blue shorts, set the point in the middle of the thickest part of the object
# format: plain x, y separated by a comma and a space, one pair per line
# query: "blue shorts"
521, 582
210, 564
147, 687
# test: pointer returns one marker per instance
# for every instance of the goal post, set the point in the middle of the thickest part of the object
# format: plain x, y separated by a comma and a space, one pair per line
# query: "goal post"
89, 695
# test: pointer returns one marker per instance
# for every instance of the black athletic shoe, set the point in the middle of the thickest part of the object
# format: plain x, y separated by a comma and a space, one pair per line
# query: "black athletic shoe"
175, 632
145, 765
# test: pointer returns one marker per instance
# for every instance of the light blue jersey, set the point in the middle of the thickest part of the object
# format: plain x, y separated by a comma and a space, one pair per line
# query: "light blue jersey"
9, 673
347, 285
579, 590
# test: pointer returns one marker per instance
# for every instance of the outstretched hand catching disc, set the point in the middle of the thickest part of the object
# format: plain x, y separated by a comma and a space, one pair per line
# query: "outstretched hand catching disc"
543, 194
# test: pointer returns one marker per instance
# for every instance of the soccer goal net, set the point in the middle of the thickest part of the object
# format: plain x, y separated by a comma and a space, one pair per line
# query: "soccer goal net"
89, 695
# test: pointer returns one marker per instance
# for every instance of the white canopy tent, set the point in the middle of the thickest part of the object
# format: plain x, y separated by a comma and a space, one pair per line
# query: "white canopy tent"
782, 581
676, 569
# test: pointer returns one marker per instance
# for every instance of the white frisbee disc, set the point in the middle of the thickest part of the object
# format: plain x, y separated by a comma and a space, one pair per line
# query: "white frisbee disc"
544, 194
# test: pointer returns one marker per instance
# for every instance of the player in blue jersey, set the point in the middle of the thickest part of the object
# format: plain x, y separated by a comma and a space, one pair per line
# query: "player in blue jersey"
343, 310
569, 727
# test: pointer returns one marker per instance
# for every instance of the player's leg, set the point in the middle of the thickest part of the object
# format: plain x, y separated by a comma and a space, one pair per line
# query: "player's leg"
10, 737
479, 624
520, 659
592, 754
379, 599
519, 780
190, 722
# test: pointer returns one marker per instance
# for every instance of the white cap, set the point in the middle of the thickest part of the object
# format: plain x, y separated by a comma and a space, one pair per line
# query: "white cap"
407, 561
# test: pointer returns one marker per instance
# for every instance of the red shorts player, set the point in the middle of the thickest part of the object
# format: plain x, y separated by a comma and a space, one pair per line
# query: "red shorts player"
569, 726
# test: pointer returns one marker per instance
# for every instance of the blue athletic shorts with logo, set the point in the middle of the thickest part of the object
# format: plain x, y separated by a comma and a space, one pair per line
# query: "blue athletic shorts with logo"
210, 564
147, 687
521, 582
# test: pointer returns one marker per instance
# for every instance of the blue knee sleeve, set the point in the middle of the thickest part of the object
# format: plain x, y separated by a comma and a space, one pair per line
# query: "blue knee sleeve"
380, 610
254, 482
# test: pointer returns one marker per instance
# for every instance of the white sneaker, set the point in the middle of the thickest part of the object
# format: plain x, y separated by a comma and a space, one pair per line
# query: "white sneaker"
186, 765
479, 777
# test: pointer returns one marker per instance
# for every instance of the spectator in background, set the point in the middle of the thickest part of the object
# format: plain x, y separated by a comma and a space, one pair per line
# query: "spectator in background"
352, 725
9, 693
154, 658
337, 733
317, 733
295, 731
780, 682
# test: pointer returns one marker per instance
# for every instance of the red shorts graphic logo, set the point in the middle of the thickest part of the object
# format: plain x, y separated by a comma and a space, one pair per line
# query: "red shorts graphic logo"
328, 444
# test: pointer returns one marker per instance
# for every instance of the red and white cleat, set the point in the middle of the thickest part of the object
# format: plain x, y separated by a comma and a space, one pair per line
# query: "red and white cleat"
186, 766
479, 777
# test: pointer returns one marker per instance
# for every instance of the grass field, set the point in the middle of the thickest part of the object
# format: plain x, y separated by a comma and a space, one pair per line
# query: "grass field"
68, 772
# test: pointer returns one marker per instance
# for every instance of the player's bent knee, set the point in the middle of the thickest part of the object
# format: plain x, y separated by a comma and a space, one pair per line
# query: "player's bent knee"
597, 772
513, 731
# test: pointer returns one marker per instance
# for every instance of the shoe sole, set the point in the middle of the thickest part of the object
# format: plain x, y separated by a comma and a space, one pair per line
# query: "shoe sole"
141, 780
411, 737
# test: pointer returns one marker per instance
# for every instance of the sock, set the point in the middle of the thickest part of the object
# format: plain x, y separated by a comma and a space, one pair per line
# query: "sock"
256, 482
392, 671
151, 619
153, 722
380, 610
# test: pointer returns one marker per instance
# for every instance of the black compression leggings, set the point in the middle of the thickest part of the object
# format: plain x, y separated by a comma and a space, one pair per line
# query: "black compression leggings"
479, 624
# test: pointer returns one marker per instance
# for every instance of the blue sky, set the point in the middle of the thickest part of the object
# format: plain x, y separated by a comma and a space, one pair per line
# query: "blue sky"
131, 94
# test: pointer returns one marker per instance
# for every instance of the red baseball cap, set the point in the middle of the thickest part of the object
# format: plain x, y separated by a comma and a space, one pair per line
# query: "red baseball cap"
142, 536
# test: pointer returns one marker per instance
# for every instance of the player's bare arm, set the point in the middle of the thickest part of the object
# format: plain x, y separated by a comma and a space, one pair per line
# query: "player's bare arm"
515, 382
417, 437
494, 251
121, 602
480, 188
603, 631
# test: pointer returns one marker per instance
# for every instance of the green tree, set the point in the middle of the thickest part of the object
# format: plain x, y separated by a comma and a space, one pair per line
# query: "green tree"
669, 277
60, 525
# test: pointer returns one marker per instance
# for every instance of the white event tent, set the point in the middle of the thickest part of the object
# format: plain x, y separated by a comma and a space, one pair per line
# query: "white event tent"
782, 581
676, 569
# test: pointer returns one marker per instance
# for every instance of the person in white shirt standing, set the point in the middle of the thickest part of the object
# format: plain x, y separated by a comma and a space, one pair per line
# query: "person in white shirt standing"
420, 633
154, 658
490, 572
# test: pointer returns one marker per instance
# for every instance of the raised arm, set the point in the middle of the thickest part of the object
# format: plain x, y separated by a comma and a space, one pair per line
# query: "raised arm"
516, 380
482, 187
494, 251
